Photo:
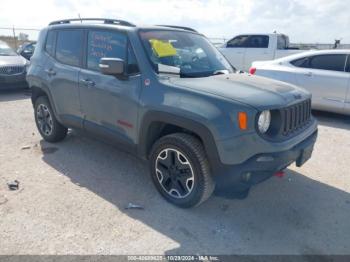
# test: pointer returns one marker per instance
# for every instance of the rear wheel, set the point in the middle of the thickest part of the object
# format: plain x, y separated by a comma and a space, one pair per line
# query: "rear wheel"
49, 128
180, 170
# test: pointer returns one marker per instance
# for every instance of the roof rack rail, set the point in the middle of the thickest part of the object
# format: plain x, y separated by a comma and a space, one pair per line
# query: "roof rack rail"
180, 27
105, 21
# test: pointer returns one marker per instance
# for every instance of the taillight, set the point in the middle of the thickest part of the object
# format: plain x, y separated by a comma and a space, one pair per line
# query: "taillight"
252, 70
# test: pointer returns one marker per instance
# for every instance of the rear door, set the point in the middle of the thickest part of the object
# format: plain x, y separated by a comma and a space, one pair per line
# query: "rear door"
63, 48
257, 49
325, 77
110, 104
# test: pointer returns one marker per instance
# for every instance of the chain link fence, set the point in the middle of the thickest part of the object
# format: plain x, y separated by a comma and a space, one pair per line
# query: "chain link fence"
15, 37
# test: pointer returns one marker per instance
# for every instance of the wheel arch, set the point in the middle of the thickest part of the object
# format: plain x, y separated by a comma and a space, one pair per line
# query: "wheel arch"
43, 91
158, 124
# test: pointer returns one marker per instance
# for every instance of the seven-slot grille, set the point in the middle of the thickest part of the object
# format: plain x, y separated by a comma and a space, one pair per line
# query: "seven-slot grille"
11, 70
295, 116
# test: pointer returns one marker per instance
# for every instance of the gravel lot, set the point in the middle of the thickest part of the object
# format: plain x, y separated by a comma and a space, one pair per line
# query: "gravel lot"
73, 195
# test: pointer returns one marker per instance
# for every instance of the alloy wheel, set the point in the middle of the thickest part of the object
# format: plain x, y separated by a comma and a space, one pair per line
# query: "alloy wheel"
174, 173
44, 119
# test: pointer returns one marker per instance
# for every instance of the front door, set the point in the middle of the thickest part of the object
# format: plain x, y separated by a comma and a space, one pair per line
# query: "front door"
109, 103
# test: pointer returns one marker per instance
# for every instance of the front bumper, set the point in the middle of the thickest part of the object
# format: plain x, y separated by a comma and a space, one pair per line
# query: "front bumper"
238, 178
13, 81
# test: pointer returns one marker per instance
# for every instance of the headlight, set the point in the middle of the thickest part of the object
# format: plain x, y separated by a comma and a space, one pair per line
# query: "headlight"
264, 121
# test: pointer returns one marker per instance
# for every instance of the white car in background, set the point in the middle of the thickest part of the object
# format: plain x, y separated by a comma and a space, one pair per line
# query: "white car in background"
326, 74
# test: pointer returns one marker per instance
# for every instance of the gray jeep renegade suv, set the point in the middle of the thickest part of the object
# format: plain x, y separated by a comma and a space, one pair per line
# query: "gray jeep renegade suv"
167, 95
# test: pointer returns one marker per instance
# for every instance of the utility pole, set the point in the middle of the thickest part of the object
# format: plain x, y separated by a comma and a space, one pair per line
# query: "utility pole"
14, 36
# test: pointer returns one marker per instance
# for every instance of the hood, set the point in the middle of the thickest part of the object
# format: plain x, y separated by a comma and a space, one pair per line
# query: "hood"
14, 60
259, 92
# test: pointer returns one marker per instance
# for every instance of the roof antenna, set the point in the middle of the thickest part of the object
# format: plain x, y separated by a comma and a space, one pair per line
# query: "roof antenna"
81, 21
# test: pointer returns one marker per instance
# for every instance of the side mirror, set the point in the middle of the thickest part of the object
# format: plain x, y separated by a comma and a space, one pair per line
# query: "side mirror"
112, 66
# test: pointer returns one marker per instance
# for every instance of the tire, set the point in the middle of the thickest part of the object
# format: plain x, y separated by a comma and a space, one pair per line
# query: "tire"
191, 183
49, 128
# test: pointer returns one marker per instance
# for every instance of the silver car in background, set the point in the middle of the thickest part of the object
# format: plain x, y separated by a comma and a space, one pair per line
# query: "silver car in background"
13, 68
326, 74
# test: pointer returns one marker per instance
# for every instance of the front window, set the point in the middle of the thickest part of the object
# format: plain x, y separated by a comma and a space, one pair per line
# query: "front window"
183, 53
105, 44
5, 50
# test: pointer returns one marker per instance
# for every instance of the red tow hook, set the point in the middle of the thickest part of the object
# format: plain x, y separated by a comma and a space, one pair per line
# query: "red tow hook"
280, 174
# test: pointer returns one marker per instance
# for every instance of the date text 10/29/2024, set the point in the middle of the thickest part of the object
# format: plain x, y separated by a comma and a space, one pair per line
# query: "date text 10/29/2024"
173, 258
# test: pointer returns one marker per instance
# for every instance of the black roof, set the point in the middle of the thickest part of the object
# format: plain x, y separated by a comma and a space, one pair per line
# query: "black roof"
104, 20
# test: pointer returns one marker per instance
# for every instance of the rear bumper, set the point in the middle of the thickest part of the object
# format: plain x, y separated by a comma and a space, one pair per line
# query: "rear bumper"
236, 178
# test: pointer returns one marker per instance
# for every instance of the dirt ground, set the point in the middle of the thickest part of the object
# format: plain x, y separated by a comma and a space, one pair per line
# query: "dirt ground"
72, 198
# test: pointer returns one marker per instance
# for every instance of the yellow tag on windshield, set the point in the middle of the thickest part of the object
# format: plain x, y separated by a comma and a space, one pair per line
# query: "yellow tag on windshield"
162, 48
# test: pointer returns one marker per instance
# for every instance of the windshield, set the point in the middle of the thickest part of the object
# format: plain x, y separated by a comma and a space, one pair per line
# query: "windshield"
183, 53
5, 50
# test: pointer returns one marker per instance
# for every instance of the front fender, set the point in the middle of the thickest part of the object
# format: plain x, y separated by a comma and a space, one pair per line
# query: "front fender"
196, 127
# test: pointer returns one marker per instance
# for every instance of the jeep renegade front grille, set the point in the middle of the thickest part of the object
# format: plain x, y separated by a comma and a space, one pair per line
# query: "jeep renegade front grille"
11, 70
295, 117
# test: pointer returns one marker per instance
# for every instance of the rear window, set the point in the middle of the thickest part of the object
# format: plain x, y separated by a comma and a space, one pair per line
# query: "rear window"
68, 47
282, 42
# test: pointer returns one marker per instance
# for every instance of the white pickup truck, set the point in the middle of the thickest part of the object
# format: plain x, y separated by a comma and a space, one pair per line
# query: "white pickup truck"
242, 50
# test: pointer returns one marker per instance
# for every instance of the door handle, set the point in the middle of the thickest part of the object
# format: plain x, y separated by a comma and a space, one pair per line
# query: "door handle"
50, 72
309, 74
88, 82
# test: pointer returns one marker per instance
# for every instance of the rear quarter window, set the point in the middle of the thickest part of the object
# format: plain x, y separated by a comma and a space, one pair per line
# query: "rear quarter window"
301, 62
50, 43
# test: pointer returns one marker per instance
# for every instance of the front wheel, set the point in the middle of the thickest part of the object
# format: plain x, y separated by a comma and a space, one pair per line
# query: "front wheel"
180, 170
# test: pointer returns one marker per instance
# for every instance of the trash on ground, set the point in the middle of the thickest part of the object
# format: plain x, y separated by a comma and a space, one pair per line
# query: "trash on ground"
13, 185
133, 206
25, 147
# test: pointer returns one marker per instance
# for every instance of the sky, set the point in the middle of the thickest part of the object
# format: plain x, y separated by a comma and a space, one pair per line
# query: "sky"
305, 21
